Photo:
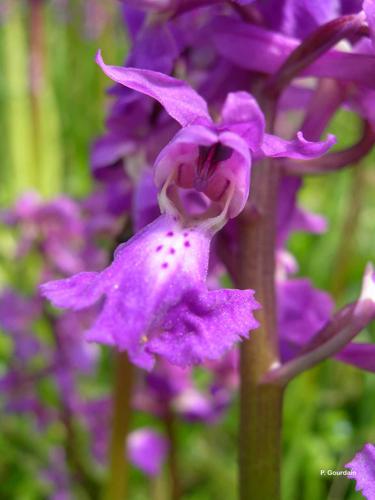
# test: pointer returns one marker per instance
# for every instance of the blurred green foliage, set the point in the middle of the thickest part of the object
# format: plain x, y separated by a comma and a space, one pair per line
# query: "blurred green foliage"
329, 412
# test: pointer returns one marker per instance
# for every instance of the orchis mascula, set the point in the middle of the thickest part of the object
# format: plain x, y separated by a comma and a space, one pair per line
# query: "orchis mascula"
157, 301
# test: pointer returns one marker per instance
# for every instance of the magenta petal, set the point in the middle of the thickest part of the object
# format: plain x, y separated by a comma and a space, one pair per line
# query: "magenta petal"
179, 100
298, 17
235, 40
193, 405
203, 325
361, 355
17, 313
154, 48
147, 450
302, 312
298, 148
145, 207
242, 115
309, 222
363, 468
80, 291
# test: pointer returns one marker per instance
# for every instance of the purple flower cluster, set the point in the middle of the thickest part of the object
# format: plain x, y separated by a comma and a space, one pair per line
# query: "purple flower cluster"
49, 357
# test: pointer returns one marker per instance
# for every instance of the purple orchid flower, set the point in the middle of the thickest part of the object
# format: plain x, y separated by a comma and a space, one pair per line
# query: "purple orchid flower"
174, 7
156, 298
297, 18
303, 310
291, 217
234, 38
45, 224
316, 335
56, 475
147, 450
362, 471
194, 406
213, 158
96, 417
171, 388
17, 316
156, 390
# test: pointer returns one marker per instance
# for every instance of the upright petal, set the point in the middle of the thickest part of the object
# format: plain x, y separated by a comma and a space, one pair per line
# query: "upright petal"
241, 113
179, 100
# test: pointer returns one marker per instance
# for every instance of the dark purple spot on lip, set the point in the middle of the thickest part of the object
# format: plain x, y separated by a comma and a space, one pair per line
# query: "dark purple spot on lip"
170, 233
172, 251
187, 244
164, 265
186, 234
158, 248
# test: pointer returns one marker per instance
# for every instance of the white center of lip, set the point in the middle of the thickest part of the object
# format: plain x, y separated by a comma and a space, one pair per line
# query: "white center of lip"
172, 249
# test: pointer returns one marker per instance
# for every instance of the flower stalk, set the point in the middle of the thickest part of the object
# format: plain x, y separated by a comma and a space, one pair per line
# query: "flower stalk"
260, 405
117, 486
174, 476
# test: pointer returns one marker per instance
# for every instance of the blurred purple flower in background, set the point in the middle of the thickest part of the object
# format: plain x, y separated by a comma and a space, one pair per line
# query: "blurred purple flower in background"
147, 450
362, 471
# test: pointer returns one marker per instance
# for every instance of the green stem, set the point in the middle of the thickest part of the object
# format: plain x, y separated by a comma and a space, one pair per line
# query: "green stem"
117, 486
260, 404
158, 487
174, 476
